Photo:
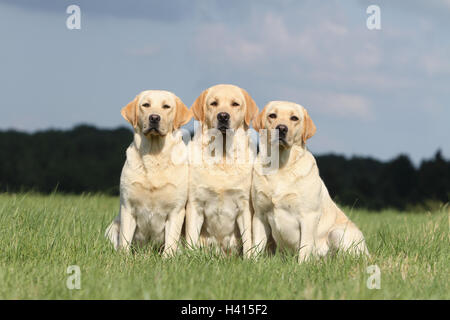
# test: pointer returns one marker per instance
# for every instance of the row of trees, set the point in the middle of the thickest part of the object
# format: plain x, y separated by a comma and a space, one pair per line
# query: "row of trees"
87, 159
366, 182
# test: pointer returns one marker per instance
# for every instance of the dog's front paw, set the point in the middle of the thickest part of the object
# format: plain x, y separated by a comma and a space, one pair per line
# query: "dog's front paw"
305, 256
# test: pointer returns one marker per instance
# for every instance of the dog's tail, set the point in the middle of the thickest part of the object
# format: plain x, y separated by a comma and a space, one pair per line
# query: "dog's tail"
112, 233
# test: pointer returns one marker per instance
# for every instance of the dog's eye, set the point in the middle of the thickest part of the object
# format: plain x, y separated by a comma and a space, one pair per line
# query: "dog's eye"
146, 105
166, 106
235, 104
294, 118
273, 115
214, 103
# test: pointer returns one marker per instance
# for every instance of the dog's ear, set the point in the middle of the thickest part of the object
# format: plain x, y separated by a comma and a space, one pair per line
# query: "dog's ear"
258, 122
182, 116
130, 112
309, 128
197, 107
252, 108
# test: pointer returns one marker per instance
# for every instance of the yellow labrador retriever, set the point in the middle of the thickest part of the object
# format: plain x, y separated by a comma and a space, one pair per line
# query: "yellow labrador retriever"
153, 183
220, 169
291, 203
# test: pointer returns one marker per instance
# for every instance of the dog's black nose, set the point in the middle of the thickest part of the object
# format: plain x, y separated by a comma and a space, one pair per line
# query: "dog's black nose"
154, 118
223, 117
282, 129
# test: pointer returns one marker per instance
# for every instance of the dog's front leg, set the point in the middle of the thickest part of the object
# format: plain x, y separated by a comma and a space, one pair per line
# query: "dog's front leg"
244, 221
308, 225
112, 232
260, 231
127, 227
174, 224
194, 223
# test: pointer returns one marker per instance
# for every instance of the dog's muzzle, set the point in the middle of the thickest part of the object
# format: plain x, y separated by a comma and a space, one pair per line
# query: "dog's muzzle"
153, 124
223, 121
282, 133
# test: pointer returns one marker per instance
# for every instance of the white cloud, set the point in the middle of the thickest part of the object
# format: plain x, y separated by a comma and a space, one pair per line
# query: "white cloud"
436, 63
269, 36
346, 105
332, 53
342, 105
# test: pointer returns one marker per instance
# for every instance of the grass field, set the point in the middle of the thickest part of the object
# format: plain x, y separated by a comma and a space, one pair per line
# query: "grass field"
42, 235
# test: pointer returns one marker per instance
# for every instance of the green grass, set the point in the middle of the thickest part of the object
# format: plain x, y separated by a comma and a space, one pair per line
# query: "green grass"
41, 236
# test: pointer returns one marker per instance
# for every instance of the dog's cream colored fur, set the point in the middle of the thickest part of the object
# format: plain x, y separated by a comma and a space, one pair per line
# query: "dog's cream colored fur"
218, 210
292, 203
153, 183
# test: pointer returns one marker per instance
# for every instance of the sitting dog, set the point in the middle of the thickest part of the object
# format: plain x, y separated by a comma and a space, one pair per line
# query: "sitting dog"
154, 182
220, 169
292, 204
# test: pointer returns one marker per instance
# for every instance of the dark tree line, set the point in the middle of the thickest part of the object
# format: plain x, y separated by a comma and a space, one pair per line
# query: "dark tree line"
370, 183
87, 159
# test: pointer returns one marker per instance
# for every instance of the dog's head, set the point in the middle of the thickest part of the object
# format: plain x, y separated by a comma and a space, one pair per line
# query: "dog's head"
290, 119
156, 112
225, 106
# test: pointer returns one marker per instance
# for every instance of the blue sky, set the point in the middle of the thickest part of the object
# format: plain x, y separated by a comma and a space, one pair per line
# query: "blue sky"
372, 93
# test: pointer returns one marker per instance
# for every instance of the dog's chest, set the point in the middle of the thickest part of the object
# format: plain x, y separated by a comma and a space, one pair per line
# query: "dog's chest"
221, 195
285, 191
280, 204
147, 199
152, 203
156, 191
217, 184
275, 191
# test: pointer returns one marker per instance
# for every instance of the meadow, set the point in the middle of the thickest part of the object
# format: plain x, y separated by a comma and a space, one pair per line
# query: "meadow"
42, 235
